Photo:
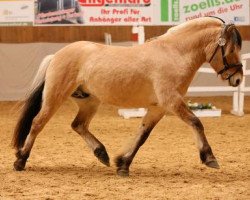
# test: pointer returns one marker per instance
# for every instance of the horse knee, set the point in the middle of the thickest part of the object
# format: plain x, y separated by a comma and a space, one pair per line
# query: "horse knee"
196, 123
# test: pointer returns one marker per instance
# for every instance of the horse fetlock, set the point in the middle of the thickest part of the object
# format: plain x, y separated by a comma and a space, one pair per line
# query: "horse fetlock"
102, 155
21, 155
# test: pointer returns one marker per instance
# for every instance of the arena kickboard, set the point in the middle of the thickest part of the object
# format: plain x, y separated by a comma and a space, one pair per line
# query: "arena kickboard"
135, 112
207, 113
141, 112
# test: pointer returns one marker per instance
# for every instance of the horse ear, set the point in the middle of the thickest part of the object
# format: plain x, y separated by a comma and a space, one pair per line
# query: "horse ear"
229, 28
227, 38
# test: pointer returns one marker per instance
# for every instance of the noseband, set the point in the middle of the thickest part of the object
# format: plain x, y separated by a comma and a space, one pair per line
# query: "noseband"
221, 44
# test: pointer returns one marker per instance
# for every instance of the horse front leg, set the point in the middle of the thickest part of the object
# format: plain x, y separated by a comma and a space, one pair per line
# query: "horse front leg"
206, 154
149, 121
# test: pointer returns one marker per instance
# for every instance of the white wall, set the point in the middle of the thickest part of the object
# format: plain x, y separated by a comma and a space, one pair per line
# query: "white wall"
18, 66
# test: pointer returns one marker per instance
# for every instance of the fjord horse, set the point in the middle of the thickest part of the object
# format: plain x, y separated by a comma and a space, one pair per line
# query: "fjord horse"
155, 75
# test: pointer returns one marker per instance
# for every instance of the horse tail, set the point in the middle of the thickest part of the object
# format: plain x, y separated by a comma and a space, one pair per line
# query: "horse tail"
31, 105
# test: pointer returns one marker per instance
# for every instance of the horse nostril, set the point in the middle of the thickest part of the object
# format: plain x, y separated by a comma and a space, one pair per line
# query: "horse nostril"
238, 81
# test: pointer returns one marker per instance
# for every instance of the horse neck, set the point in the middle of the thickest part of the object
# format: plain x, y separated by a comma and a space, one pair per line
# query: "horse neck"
194, 46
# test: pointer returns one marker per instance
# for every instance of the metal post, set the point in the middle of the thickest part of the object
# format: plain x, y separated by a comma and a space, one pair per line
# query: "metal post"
242, 89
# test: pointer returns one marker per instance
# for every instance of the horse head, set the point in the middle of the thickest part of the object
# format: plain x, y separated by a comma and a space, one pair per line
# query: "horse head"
226, 56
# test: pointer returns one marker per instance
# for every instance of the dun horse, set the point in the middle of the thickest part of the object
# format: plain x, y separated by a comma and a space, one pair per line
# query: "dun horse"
155, 75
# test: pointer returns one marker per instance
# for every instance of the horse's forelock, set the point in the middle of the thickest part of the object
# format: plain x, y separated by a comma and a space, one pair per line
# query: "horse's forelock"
237, 38
234, 34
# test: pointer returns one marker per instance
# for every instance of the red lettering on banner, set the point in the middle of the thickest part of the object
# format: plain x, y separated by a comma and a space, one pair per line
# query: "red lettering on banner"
91, 2
146, 19
59, 12
135, 12
121, 12
236, 7
104, 2
222, 10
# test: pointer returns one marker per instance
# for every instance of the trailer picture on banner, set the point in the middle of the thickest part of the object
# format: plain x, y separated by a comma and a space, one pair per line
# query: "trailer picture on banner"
49, 12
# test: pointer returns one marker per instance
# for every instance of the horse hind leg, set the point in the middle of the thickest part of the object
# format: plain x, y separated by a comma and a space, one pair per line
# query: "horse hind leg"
26, 134
87, 108
149, 121
38, 123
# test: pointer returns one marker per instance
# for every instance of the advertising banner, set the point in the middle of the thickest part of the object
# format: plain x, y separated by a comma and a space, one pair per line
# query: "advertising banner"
94, 12
177, 11
137, 12
16, 13
119, 12
113, 12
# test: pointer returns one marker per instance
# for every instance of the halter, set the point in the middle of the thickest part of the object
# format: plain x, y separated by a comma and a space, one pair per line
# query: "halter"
221, 44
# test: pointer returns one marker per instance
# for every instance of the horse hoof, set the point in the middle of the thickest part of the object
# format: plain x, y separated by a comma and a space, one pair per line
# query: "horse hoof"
213, 164
122, 166
19, 165
102, 155
123, 173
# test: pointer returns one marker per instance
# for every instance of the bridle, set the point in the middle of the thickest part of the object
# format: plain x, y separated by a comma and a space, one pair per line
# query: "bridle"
221, 44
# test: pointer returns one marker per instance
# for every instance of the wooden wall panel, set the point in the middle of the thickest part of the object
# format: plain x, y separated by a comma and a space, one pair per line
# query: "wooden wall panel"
245, 32
76, 33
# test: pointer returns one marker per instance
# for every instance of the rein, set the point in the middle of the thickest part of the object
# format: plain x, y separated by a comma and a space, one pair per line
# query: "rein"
221, 44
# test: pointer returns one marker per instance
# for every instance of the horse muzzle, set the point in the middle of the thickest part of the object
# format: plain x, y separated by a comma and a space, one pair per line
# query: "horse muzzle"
235, 80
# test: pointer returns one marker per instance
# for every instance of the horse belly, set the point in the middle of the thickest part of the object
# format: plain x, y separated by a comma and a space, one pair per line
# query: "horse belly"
128, 99
123, 92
